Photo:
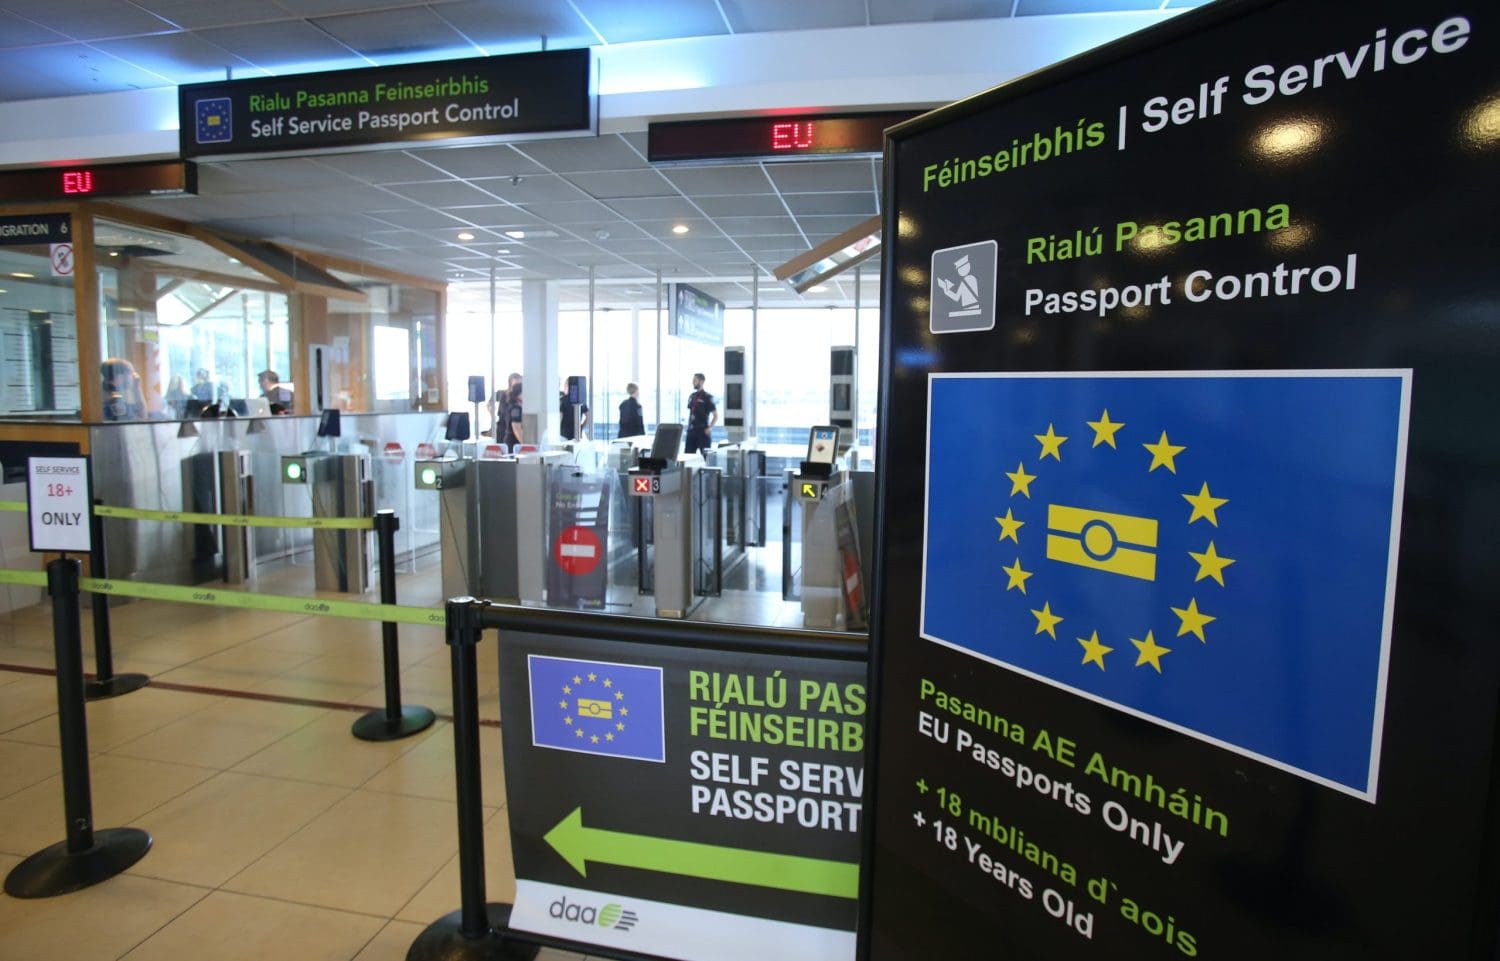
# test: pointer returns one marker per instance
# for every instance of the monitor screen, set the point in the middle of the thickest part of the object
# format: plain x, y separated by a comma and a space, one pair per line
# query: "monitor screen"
822, 445
667, 442
458, 426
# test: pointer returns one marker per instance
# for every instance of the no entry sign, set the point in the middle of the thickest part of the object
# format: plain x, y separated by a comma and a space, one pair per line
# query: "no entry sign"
577, 550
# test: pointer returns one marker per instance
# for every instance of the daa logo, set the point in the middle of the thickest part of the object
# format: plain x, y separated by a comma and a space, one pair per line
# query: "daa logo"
611, 915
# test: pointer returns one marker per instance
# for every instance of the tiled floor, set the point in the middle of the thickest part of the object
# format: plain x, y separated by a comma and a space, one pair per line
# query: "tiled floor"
277, 833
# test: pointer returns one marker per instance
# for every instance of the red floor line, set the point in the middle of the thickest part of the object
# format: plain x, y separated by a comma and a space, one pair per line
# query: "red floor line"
244, 695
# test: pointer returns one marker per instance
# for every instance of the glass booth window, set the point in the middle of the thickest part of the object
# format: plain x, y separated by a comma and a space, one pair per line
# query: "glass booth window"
194, 325
38, 334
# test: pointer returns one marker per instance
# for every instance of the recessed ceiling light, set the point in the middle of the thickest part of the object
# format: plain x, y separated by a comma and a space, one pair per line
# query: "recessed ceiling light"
505, 251
516, 234
819, 289
114, 253
2, 290
679, 228
21, 275
465, 235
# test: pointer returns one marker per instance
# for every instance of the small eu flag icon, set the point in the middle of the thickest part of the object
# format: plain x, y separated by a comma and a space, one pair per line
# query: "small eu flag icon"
597, 707
213, 120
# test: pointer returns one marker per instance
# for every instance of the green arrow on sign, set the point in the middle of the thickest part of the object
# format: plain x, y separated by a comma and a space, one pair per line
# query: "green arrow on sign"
578, 844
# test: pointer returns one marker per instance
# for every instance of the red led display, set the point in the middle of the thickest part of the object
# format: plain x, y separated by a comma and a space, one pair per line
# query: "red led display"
78, 181
770, 138
153, 177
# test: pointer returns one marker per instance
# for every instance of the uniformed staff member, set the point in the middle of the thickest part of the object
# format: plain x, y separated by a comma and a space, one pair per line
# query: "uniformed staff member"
632, 424
702, 415
513, 433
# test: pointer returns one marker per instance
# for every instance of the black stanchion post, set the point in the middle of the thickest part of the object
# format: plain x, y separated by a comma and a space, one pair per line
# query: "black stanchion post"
395, 721
106, 682
474, 931
87, 856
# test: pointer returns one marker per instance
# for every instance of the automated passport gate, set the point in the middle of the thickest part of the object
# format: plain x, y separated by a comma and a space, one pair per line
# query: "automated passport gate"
1160, 670
220, 482
694, 793
340, 487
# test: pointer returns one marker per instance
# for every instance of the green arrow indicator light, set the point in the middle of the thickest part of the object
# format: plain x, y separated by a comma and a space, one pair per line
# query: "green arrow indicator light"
294, 471
429, 476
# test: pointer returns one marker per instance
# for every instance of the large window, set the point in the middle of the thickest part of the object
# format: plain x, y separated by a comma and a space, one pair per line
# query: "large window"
38, 335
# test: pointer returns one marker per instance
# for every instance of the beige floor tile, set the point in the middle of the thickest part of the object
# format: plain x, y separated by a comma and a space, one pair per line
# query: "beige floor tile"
235, 669
26, 701
222, 734
392, 943
151, 618
8, 677
22, 765
441, 895
101, 922
340, 637
177, 646
213, 831
427, 769
233, 927
327, 753
370, 852
116, 720
123, 790
27, 657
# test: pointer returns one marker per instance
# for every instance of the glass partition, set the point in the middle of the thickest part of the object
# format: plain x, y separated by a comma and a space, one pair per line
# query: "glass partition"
38, 334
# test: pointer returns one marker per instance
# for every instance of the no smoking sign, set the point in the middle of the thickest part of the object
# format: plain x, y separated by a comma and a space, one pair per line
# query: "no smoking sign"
62, 260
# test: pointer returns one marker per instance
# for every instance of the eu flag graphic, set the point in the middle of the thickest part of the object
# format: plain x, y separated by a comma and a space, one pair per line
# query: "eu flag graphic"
213, 120
597, 707
1213, 552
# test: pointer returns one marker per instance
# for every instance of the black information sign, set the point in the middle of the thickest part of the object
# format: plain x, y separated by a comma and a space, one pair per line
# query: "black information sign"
481, 98
787, 137
24, 229
85, 181
683, 802
1186, 597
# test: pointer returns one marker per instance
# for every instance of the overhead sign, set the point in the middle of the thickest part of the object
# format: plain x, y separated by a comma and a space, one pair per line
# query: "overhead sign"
81, 182
684, 803
804, 136
696, 316
26, 229
59, 503
473, 100
1171, 661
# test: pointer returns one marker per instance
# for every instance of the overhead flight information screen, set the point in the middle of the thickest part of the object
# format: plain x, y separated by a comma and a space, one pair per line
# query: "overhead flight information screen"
793, 137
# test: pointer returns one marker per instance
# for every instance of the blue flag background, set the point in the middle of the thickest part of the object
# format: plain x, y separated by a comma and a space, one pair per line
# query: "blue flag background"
1271, 642
597, 707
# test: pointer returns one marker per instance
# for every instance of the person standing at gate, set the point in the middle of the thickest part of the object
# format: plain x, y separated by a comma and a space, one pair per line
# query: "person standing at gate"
566, 410
513, 433
702, 415
496, 406
632, 424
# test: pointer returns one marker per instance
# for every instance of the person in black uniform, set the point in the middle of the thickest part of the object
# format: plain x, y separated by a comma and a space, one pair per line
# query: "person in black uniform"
702, 415
566, 410
632, 424
513, 434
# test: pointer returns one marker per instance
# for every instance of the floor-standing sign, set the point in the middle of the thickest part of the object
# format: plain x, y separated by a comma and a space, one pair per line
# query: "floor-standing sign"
1185, 636
684, 802
59, 504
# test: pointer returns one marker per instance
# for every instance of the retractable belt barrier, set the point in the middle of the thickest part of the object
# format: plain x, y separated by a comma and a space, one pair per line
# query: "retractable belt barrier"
216, 597
235, 520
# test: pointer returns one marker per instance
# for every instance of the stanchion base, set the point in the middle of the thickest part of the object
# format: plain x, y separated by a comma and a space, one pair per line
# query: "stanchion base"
53, 871
444, 940
375, 726
115, 686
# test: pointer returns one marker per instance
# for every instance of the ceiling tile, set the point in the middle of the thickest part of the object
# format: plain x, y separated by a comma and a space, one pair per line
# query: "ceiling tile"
803, 205
19, 32
73, 68
658, 20
756, 226
320, 8
383, 167
747, 16
180, 57
384, 32
801, 178
737, 179
286, 173
494, 215
416, 219
518, 25
533, 189
568, 213
444, 193
570, 154
290, 46
750, 205
623, 183
1034, 8
903, 11
197, 15
653, 208
498, 160
95, 19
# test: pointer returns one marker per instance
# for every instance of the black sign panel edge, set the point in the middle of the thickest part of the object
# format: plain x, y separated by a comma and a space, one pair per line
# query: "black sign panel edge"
1485, 925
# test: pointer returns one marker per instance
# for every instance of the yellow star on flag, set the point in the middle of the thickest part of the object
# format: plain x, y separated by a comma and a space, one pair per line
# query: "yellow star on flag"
619, 725
1193, 620
1204, 505
578, 731
609, 735
1210, 564
1162, 453
1104, 429
1051, 444
567, 720
563, 705
1150, 652
567, 689
608, 682
619, 695
594, 738
1093, 650
593, 677
1009, 525
1046, 620
1020, 481
577, 679
1017, 576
